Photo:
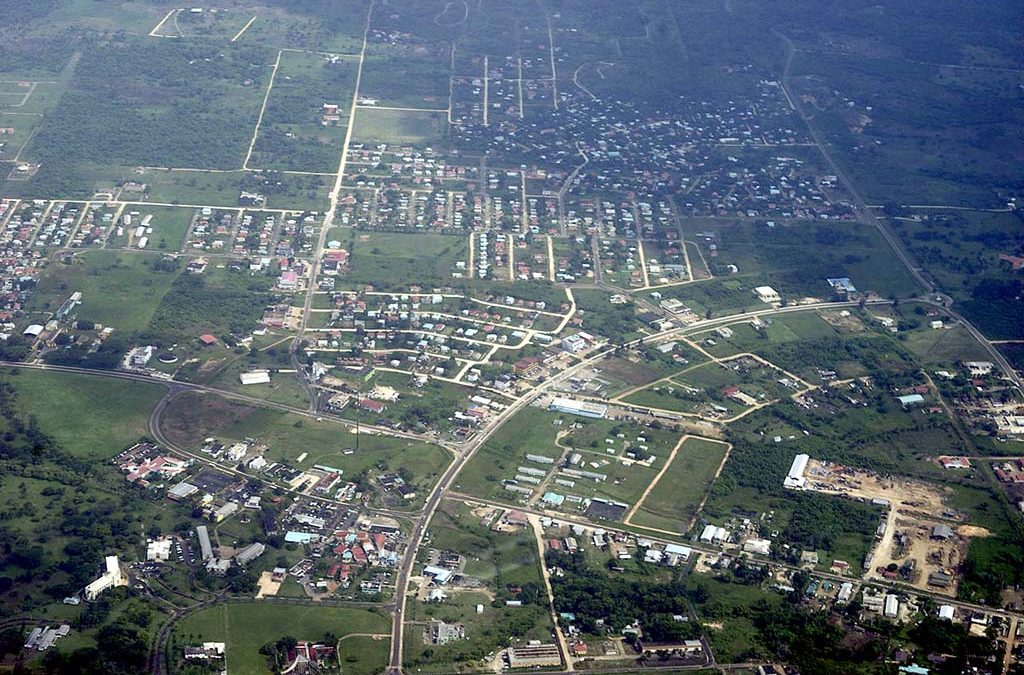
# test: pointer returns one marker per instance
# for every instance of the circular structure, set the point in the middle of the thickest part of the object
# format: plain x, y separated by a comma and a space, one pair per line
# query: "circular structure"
168, 357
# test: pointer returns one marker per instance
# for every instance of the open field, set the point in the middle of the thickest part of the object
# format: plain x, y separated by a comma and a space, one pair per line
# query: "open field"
401, 127
424, 77
119, 290
673, 499
192, 107
396, 261
247, 627
624, 458
90, 416
797, 259
166, 232
496, 563
287, 436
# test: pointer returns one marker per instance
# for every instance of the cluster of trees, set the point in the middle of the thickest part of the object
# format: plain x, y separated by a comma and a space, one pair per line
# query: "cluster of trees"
818, 522
121, 648
193, 307
81, 354
886, 362
297, 101
594, 596
615, 322
158, 102
78, 511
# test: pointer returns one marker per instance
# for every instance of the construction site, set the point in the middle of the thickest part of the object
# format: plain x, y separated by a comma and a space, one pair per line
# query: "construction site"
920, 540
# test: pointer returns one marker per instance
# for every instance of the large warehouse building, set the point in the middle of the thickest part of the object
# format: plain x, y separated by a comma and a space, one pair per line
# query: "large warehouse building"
795, 479
581, 408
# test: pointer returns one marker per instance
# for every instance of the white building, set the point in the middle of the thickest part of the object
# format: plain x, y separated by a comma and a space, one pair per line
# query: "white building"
795, 478
581, 408
255, 377
767, 294
714, 534
159, 550
225, 511
758, 546
892, 606
250, 553
109, 579
204, 542
573, 343
140, 356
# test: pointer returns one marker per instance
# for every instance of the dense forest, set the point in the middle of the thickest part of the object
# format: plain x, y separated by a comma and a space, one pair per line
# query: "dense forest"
604, 603
195, 306
158, 104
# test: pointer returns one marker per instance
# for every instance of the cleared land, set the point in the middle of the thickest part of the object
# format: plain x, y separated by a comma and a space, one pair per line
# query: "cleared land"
673, 500
399, 126
247, 627
120, 290
90, 416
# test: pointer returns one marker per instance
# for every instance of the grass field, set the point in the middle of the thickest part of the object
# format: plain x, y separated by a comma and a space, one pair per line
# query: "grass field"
603, 445
945, 345
797, 259
170, 225
390, 260
120, 290
399, 126
407, 76
247, 627
673, 500
90, 416
746, 338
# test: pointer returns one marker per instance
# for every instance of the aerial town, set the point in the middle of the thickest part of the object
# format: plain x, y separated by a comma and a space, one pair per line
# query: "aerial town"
431, 336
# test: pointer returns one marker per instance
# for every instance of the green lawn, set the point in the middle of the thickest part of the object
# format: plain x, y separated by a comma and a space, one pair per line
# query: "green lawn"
247, 627
90, 416
390, 260
945, 345
119, 290
399, 126
674, 499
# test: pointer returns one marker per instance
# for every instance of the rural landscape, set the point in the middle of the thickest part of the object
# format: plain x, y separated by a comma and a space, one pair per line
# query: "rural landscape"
465, 336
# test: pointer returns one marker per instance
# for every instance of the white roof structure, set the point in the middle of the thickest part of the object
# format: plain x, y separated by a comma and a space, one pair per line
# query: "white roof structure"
766, 294
946, 612
582, 408
438, 574
758, 546
713, 533
255, 377
204, 542
795, 478
112, 577
676, 549
158, 550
